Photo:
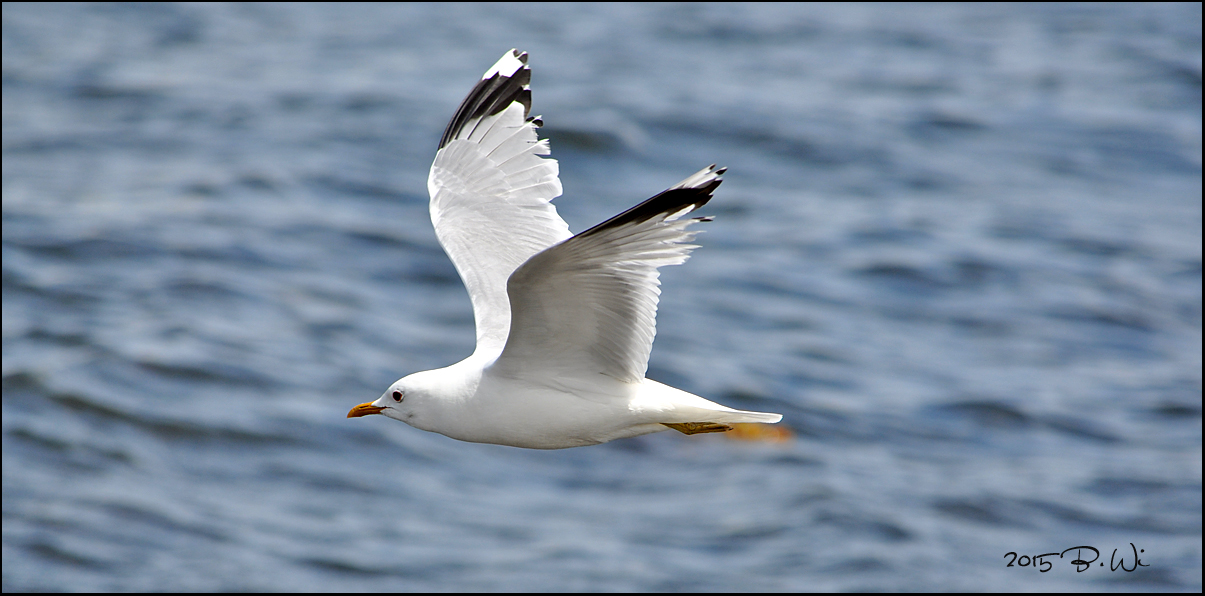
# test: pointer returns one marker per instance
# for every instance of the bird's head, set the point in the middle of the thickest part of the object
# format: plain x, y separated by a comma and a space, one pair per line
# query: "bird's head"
398, 402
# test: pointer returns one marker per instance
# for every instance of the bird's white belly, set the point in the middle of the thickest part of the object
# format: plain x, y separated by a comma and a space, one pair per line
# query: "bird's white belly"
521, 414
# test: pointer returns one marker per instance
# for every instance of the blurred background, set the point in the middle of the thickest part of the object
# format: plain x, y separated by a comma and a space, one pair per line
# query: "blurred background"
958, 247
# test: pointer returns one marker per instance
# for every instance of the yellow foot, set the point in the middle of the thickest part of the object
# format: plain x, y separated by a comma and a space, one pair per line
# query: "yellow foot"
690, 428
749, 431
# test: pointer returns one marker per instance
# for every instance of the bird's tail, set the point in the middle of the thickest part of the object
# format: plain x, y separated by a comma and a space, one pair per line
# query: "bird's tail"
718, 422
689, 413
736, 416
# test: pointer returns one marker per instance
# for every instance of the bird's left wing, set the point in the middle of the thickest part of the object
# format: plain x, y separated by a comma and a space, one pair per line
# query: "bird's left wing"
491, 192
587, 306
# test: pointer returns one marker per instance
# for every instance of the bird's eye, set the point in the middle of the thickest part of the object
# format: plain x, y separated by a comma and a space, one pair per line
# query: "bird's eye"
397, 396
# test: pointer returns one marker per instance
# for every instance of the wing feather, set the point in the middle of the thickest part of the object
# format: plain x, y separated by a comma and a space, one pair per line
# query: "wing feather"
588, 305
491, 192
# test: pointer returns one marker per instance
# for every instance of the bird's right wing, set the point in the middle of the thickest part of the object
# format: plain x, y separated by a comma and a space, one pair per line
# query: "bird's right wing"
491, 193
588, 306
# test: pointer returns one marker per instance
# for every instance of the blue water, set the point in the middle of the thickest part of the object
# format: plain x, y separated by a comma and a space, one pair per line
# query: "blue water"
959, 248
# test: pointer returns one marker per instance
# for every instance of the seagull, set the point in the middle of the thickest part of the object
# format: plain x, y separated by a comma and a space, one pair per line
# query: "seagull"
565, 322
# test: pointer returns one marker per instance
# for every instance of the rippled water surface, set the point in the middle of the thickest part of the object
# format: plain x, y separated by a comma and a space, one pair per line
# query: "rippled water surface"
959, 248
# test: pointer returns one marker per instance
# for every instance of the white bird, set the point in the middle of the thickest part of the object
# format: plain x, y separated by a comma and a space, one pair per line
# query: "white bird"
565, 322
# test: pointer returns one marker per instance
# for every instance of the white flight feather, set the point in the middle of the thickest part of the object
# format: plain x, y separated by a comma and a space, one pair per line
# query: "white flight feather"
491, 196
588, 306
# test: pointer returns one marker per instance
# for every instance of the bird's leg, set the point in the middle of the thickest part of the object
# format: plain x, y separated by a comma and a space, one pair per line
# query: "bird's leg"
690, 428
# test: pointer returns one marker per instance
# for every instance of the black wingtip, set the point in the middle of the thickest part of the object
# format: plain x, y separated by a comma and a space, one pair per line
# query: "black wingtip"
666, 203
491, 96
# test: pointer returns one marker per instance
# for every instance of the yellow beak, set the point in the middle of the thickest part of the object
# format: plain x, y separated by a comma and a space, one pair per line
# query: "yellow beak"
364, 410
